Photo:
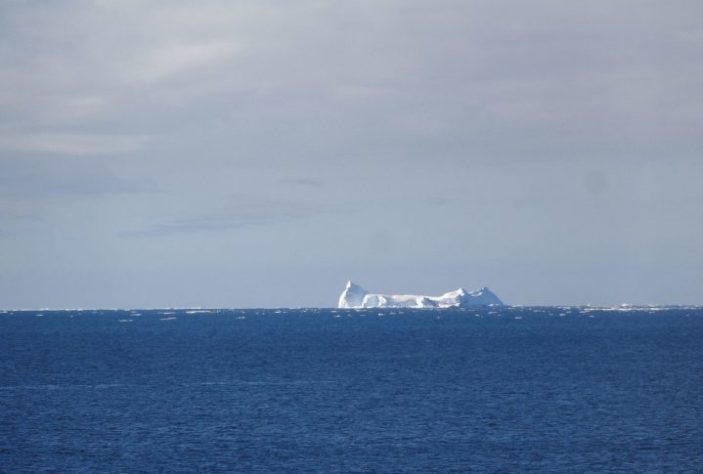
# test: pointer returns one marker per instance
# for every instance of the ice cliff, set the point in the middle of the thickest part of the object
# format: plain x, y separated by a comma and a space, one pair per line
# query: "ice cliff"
355, 296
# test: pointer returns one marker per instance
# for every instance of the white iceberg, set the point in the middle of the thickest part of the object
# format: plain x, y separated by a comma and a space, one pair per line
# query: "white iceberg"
355, 296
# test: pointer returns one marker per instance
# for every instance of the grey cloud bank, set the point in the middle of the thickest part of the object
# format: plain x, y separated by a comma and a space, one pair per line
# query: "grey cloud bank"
549, 150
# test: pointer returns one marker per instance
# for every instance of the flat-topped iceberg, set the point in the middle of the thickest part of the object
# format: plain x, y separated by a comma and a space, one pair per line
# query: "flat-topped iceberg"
355, 296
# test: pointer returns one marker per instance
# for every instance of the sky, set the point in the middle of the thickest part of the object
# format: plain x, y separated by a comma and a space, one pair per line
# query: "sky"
171, 153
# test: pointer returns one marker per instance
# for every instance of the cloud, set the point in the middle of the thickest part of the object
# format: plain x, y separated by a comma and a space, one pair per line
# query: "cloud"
213, 223
38, 179
173, 60
12, 211
394, 79
73, 143
304, 182
243, 212
209, 223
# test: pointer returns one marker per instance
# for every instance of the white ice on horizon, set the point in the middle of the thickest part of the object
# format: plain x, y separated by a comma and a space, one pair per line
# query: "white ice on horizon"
355, 296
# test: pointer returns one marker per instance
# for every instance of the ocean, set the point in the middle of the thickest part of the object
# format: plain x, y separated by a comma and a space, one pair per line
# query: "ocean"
507, 390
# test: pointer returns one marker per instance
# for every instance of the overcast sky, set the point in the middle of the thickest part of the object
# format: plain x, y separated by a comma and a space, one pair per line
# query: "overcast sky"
260, 153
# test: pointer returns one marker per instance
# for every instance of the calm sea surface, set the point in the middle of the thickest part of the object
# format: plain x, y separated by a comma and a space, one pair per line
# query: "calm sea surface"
509, 390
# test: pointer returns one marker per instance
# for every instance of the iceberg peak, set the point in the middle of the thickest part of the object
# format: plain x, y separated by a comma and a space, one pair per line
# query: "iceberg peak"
352, 296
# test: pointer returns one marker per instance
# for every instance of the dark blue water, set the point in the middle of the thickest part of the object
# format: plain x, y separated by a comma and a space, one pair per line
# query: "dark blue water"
512, 390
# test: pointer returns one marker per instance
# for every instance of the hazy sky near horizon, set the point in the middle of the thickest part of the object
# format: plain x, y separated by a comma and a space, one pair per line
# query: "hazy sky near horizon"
260, 153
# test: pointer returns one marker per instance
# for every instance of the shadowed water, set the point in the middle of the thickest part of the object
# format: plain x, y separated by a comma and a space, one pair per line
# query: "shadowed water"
491, 390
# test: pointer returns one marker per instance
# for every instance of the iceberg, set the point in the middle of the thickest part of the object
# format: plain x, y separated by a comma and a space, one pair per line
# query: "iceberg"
355, 296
